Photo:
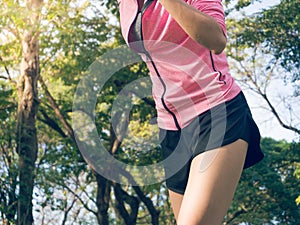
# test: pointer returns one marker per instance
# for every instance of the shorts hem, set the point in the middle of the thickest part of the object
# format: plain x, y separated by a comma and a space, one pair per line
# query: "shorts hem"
197, 138
176, 190
248, 162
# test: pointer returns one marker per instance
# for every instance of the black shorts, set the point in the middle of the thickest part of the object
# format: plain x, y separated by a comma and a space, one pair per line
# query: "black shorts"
214, 128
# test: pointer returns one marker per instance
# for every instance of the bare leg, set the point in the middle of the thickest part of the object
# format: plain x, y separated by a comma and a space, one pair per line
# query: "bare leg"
213, 178
175, 199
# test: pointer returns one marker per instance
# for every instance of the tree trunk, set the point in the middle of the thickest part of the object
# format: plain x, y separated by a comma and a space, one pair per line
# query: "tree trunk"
103, 198
27, 145
129, 216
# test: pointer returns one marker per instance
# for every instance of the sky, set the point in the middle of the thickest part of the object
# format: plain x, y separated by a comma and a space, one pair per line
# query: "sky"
267, 123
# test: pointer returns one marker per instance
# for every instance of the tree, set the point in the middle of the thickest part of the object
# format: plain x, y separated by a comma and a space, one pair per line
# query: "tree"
264, 53
266, 193
23, 25
8, 162
69, 42
27, 144
71, 35
264, 48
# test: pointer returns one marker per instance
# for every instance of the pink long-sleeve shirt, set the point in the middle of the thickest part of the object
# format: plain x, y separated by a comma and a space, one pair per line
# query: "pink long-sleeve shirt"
187, 78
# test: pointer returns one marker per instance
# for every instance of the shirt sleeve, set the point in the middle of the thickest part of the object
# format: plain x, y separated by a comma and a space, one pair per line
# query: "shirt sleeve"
213, 8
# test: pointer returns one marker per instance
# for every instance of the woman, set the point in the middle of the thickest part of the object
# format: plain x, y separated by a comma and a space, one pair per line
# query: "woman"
203, 115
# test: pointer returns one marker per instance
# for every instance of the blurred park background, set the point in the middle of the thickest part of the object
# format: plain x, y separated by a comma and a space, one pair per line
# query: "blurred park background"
46, 48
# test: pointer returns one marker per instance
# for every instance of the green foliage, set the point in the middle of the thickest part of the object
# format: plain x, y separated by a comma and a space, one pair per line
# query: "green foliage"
8, 161
267, 192
112, 6
238, 5
277, 29
73, 35
138, 146
263, 50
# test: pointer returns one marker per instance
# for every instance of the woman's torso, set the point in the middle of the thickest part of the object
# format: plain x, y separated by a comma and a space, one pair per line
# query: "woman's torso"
187, 78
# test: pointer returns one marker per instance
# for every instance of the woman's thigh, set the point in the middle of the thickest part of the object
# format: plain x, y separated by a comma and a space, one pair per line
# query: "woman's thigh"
176, 200
212, 181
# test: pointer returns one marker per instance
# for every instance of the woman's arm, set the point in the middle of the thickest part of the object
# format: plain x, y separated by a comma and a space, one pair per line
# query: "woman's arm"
201, 27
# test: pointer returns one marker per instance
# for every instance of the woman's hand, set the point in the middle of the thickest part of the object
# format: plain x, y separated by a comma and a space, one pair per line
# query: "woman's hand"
201, 27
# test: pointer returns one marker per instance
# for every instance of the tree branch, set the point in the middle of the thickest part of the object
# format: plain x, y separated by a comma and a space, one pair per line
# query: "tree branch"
84, 191
265, 97
149, 204
67, 211
56, 109
270, 73
6, 157
121, 196
51, 123
235, 215
273, 110
85, 205
7, 72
